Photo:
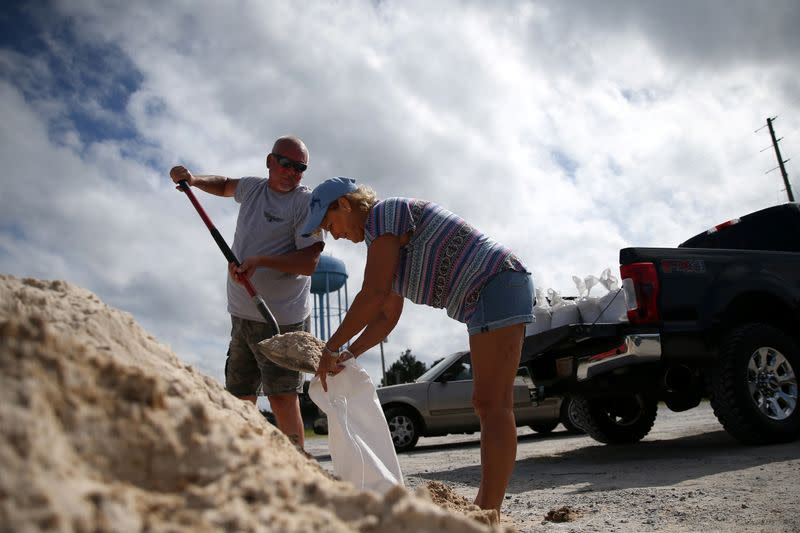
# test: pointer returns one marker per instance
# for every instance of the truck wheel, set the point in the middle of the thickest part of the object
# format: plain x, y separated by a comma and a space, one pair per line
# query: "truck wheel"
569, 416
403, 427
753, 389
616, 420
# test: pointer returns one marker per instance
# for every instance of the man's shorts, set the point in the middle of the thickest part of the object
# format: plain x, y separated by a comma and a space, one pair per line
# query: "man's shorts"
506, 299
247, 372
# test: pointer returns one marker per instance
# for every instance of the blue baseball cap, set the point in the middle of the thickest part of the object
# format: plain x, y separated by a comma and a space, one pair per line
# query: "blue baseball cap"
323, 195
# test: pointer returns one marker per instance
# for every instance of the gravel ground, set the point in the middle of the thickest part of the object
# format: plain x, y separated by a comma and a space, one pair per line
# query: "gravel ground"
686, 475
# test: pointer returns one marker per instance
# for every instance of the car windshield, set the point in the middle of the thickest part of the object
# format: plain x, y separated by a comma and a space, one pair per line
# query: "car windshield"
436, 369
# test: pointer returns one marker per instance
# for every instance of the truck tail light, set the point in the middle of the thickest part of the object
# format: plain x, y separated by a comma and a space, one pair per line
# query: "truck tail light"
640, 283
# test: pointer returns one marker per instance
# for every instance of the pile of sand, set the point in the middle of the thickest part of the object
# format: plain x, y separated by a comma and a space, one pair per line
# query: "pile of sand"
443, 495
103, 428
562, 514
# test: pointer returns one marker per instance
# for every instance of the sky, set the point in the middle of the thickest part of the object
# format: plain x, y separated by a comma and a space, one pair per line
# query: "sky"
566, 130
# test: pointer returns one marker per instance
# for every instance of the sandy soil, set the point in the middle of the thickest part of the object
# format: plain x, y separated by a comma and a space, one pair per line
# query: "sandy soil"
102, 428
687, 475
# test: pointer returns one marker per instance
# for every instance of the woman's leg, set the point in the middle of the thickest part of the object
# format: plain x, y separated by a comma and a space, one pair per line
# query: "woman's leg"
495, 359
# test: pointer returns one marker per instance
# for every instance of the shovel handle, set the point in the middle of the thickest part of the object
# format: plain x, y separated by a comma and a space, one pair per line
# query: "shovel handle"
226, 251
229, 255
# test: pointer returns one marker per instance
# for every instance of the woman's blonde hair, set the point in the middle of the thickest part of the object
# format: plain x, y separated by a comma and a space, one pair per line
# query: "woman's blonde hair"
363, 198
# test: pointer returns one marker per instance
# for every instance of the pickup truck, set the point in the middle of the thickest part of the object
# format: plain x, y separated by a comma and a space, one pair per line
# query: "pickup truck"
718, 317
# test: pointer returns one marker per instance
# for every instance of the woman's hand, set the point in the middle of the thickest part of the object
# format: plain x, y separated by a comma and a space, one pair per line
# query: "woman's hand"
344, 355
328, 365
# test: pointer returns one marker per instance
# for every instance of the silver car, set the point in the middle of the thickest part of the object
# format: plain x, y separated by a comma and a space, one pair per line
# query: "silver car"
440, 402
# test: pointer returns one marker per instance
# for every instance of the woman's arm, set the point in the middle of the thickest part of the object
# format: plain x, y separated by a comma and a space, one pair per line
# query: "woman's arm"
379, 329
382, 257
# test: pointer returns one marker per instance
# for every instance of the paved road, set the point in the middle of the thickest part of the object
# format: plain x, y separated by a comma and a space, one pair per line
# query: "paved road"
686, 475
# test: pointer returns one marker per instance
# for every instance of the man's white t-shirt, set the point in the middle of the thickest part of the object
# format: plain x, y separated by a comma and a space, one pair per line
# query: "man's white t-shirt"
270, 223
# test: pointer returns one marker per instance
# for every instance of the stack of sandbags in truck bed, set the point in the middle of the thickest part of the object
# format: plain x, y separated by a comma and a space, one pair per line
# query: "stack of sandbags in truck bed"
553, 310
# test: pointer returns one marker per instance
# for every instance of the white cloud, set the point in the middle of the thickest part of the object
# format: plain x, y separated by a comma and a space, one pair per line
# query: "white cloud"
566, 130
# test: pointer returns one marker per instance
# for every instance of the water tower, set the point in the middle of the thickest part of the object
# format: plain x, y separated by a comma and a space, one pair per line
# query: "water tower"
330, 276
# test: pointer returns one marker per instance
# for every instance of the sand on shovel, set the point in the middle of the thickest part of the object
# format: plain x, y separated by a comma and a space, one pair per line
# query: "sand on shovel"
296, 350
103, 428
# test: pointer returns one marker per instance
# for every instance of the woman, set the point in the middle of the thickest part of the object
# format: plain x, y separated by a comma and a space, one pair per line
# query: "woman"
418, 250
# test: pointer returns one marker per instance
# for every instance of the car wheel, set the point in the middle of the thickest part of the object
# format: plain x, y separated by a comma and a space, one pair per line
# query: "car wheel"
321, 425
544, 427
403, 427
753, 389
616, 420
569, 417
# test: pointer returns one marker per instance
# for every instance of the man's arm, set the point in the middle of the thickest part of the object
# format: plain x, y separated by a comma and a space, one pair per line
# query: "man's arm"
212, 184
303, 261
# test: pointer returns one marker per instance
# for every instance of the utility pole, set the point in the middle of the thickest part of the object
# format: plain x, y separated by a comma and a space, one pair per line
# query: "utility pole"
383, 361
780, 160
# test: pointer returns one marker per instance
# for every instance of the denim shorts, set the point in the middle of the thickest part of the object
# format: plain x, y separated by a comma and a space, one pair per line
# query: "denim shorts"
506, 299
247, 371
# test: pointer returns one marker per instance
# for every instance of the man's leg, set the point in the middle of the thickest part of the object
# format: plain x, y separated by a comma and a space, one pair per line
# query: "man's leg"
282, 386
286, 408
242, 375
495, 359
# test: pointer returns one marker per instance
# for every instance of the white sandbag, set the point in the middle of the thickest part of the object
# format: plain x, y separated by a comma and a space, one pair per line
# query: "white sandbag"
609, 280
588, 307
605, 309
541, 315
562, 312
358, 437
580, 285
612, 307
585, 285
542, 321
565, 314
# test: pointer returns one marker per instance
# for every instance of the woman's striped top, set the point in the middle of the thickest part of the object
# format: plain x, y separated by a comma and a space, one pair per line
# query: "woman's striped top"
446, 262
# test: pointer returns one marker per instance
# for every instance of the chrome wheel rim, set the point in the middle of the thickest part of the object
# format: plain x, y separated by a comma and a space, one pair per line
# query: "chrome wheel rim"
402, 429
572, 414
772, 383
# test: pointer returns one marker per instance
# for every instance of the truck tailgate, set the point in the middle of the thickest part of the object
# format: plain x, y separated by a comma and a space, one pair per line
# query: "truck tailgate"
590, 349
573, 339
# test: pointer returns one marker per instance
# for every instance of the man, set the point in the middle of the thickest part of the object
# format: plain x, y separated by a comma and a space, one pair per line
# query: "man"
279, 262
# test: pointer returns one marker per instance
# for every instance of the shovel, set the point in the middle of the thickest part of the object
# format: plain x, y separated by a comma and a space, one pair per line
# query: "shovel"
228, 253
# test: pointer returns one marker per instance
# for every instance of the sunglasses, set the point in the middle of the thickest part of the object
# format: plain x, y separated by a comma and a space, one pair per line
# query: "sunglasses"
285, 162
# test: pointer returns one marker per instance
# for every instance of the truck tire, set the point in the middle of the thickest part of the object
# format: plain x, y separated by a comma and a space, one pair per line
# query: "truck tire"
616, 420
403, 427
753, 388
